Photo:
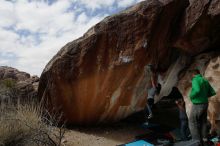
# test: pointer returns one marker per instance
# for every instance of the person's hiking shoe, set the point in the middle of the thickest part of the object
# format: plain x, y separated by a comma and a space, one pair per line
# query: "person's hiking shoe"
150, 116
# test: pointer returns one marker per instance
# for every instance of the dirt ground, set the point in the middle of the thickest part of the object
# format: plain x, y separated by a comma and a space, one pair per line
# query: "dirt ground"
121, 132
117, 134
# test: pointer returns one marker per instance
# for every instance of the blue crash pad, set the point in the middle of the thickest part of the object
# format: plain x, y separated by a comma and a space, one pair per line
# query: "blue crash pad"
139, 143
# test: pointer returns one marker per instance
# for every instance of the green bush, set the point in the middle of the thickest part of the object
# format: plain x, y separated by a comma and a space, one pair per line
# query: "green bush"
8, 83
8, 89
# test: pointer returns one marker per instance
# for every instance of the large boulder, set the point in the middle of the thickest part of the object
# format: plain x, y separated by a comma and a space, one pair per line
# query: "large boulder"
17, 85
100, 77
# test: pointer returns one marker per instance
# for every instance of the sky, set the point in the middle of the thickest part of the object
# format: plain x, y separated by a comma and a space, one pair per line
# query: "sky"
32, 32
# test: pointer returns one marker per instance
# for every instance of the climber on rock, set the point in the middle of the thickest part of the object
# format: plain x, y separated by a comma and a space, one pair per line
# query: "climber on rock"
152, 89
200, 92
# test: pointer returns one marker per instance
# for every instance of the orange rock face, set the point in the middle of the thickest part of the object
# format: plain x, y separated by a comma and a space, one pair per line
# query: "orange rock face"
100, 78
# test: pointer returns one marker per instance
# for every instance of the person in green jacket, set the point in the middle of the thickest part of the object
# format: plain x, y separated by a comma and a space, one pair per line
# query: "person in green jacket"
200, 92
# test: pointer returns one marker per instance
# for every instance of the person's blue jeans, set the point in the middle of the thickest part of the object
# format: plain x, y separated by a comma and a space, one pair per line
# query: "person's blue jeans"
184, 129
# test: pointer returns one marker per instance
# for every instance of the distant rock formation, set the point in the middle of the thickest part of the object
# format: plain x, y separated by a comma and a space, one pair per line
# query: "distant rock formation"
17, 85
100, 78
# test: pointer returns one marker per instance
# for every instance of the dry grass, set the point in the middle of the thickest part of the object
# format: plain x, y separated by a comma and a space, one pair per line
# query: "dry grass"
28, 125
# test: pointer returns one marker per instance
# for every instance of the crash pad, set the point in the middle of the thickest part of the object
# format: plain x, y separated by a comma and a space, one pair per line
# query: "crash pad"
187, 143
156, 127
138, 143
154, 132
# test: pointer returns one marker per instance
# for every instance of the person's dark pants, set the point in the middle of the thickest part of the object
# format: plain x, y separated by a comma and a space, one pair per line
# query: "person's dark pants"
149, 106
150, 102
184, 129
198, 122
151, 92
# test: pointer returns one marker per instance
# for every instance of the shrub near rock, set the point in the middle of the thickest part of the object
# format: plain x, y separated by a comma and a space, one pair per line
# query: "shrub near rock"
27, 125
8, 89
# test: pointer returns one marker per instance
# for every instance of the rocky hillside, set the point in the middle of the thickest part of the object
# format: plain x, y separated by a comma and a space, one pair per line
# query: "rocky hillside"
15, 84
100, 76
